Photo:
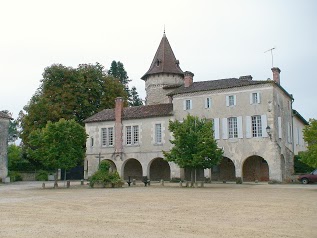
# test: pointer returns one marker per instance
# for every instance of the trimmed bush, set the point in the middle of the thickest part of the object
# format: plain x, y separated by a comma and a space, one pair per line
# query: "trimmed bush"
104, 177
41, 175
15, 176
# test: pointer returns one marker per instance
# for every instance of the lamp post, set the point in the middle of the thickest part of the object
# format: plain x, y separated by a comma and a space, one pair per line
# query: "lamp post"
268, 131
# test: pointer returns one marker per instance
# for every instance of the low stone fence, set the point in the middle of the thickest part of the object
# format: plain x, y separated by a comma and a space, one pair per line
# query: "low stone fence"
28, 176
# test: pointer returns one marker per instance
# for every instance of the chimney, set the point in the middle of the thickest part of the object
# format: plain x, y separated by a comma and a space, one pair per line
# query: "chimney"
246, 77
188, 78
276, 74
118, 124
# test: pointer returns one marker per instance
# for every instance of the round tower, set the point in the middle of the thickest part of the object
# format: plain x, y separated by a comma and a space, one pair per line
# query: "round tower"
163, 76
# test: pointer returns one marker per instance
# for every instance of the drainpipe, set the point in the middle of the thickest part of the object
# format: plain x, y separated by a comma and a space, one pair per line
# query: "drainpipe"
293, 141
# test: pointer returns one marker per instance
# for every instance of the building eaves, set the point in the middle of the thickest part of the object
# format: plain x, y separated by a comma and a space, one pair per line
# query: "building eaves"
138, 112
6, 116
300, 117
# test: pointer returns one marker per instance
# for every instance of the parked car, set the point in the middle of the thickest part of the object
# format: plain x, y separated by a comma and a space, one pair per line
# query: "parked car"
308, 178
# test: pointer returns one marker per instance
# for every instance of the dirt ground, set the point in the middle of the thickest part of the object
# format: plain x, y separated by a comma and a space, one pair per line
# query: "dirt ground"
217, 210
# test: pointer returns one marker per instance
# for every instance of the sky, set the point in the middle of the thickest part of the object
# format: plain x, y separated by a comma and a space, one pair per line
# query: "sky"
213, 39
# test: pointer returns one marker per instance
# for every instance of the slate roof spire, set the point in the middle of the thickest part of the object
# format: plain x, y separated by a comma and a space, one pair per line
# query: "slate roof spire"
164, 60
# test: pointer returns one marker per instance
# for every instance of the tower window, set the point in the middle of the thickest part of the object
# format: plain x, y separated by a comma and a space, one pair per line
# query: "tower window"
158, 62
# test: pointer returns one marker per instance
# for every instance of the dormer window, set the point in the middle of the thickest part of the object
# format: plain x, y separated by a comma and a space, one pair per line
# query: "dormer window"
157, 62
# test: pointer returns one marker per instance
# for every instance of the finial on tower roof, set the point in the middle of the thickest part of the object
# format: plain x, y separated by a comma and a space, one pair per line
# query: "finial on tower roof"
164, 29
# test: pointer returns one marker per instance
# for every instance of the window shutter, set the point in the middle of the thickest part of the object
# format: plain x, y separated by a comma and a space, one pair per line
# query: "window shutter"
184, 105
234, 99
227, 101
240, 131
224, 128
248, 127
264, 125
191, 104
251, 98
279, 124
216, 128
258, 98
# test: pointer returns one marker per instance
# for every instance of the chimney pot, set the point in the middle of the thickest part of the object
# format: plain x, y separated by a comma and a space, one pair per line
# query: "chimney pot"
188, 78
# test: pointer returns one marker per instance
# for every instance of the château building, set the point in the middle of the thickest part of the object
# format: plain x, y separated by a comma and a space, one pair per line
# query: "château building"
254, 123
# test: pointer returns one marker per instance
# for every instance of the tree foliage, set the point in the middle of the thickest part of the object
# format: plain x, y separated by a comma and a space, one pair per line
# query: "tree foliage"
134, 99
58, 145
309, 157
193, 146
118, 71
70, 93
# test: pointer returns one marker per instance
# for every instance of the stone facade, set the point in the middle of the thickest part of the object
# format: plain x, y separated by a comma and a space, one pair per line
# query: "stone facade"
4, 129
253, 123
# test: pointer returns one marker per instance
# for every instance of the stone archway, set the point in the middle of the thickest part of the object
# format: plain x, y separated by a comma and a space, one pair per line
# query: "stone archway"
225, 171
132, 168
113, 166
255, 168
159, 169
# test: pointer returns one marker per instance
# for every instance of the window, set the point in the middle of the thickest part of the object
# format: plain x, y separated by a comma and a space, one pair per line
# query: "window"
231, 100
107, 136
256, 126
132, 135
158, 133
91, 141
254, 98
188, 104
233, 127
208, 103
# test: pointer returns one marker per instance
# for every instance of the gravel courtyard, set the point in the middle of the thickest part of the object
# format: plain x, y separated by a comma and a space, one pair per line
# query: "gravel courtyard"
217, 210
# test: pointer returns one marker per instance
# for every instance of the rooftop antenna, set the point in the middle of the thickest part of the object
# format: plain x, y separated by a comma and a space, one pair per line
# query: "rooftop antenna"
271, 53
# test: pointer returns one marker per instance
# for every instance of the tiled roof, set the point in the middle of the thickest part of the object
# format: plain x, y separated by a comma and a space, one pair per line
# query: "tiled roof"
158, 110
216, 84
164, 60
3, 115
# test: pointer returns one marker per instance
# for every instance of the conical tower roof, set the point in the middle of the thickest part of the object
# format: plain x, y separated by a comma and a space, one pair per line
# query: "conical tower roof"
164, 60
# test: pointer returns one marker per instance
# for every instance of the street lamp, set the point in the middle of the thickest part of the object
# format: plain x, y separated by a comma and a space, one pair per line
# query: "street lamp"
268, 131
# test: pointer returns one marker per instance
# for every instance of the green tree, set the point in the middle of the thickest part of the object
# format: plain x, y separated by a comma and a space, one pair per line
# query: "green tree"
134, 99
58, 145
16, 160
70, 93
117, 70
309, 157
194, 146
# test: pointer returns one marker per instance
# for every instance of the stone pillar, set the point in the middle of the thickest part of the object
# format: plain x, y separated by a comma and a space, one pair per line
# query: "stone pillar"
4, 130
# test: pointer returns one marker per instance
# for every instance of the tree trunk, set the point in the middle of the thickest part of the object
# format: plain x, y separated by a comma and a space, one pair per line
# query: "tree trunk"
55, 182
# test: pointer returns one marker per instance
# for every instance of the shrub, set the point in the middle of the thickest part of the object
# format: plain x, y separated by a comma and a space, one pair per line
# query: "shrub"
15, 176
41, 175
104, 166
238, 180
104, 177
175, 180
